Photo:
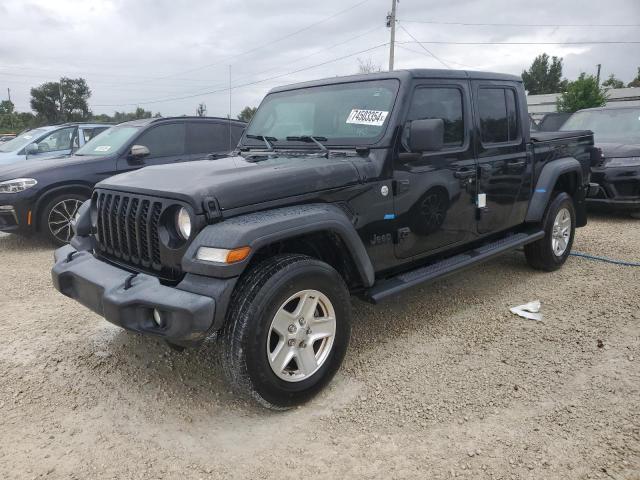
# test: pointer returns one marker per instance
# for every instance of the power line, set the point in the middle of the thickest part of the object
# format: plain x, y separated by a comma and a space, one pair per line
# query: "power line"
234, 87
276, 68
225, 60
423, 47
577, 25
447, 60
603, 42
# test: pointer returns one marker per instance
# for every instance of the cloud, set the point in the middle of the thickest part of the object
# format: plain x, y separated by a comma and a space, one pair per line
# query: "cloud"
133, 52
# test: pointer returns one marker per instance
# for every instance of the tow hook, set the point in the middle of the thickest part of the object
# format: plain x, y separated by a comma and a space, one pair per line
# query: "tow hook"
128, 283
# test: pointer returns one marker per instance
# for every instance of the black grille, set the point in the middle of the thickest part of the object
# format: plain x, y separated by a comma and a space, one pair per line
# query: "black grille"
128, 231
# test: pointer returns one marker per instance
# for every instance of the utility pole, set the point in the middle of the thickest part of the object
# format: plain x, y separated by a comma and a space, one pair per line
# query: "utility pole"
9, 94
598, 75
391, 23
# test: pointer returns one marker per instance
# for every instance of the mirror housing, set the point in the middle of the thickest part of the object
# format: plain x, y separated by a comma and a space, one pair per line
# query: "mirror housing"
138, 152
31, 149
426, 135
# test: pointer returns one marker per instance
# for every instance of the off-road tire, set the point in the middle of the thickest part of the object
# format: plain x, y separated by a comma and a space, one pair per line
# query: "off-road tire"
258, 296
540, 254
43, 225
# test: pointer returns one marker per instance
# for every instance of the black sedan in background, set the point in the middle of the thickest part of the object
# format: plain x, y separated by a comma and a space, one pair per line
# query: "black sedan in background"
617, 133
43, 196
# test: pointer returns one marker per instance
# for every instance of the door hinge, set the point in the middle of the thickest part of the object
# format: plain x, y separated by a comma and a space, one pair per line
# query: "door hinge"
400, 186
402, 234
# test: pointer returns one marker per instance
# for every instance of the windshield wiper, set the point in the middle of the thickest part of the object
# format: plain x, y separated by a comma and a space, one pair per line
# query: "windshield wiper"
267, 140
309, 139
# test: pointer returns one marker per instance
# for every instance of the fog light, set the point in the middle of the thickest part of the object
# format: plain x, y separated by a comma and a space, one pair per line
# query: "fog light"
157, 317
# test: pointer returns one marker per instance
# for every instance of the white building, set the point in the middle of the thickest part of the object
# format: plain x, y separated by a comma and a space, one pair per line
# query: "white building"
540, 104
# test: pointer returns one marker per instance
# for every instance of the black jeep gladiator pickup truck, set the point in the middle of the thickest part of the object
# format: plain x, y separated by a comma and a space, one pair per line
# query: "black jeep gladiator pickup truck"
363, 185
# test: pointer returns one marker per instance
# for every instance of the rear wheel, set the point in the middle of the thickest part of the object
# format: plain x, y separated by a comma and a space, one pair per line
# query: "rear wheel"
287, 330
55, 222
550, 252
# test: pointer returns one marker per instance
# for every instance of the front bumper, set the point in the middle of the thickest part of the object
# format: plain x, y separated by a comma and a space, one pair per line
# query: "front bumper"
15, 216
128, 300
618, 189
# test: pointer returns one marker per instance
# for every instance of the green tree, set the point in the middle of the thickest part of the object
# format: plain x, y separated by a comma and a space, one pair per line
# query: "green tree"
6, 107
247, 113
613, 82
582, 93
543, 77
636, 81
62, 101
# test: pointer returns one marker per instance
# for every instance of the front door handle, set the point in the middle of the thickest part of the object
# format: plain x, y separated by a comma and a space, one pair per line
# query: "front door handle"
463, 174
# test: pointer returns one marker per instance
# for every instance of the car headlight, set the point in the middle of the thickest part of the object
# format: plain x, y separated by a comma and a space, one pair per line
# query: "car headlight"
623, 162
17, 185
183, 223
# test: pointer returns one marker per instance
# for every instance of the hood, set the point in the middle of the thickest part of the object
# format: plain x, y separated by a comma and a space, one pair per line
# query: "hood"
236, 182
7, 158
32, 167
614, 150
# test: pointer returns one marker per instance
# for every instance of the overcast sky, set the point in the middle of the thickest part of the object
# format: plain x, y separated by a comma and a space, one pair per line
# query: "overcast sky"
136, 52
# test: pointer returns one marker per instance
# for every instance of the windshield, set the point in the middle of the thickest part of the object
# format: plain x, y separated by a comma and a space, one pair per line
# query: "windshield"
342, 114
108, 142
22, 140
615, 126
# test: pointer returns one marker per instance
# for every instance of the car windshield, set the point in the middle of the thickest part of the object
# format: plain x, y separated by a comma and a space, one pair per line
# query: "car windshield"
347, 114
22, 140
615, 125
108, 142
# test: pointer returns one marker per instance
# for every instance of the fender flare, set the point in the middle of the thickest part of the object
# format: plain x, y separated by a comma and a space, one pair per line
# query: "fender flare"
260, 229
547, 179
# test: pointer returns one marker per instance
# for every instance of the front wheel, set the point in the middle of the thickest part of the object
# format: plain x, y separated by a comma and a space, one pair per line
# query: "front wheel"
287, 330
58, 213
550, 252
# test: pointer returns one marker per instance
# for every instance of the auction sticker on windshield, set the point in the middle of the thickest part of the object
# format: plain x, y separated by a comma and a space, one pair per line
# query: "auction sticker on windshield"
102, 148
367, 117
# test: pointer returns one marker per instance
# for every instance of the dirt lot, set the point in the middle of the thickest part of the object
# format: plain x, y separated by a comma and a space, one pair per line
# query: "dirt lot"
441, 382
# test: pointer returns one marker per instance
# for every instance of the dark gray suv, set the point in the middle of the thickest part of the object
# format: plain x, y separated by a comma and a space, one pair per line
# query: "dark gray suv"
43, 195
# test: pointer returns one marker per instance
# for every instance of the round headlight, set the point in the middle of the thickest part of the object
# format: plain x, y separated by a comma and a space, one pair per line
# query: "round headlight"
183, 223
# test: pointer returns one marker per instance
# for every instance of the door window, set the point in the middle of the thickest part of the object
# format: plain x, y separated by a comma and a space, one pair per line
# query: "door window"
498, 115
440, 102
208, 137
164, 140
57, 141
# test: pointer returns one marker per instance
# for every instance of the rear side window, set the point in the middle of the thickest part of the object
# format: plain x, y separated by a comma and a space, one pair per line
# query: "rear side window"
89, 133
164, 140
236, 134
444, 103
498, 115
208, 137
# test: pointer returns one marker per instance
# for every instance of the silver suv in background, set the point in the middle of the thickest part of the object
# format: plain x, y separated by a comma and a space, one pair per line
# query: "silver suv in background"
48, 142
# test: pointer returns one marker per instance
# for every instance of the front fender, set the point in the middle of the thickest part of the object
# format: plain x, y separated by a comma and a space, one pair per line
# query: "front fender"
260, 229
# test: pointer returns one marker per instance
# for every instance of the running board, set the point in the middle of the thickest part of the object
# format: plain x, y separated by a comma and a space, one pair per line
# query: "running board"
393, 285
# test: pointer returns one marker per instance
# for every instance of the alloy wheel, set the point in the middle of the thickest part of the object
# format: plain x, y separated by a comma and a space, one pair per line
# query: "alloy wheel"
561, 232
60, 218
301, 335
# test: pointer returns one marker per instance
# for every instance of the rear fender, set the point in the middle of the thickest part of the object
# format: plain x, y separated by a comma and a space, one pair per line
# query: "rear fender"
546, 184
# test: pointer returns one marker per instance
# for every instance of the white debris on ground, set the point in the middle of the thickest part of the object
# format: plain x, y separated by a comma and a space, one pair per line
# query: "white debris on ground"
529, 310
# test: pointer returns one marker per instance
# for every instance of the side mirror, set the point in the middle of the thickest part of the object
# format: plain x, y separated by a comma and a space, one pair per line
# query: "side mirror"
31, 149
426, 135
138, 152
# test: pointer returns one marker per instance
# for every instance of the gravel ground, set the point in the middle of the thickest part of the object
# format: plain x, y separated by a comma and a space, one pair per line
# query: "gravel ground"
440, 382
